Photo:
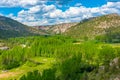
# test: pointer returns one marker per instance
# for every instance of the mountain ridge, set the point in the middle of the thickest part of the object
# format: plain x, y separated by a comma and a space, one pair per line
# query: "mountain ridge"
89, 28
13, 28
94, 27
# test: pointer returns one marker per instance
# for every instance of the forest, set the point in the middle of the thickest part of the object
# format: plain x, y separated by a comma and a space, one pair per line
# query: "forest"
59, 58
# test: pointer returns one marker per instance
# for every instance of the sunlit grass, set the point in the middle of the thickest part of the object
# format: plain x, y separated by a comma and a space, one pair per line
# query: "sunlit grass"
15, 73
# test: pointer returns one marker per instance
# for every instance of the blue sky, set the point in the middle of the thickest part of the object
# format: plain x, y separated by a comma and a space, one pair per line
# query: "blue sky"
49, 12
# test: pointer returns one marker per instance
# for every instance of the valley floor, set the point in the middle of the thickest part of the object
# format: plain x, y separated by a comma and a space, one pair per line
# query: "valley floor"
45, 63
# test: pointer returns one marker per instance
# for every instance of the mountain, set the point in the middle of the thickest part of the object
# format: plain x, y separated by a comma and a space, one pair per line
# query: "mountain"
86, 29
60, 28
95, 26
12, 28
56, 29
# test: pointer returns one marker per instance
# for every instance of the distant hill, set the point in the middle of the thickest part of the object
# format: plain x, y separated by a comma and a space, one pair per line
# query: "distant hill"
56, 29
60, 28
107, 25
95, 27
12, 28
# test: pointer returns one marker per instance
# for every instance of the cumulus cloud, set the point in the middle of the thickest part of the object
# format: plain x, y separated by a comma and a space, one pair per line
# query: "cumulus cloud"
21, 3
29, 3
78, 4
49, 14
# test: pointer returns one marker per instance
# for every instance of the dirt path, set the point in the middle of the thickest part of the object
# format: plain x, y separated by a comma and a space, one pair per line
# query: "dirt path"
77, 43
5, 75
17, 72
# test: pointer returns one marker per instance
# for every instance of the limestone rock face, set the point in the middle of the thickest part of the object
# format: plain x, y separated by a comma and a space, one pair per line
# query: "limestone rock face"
115, 63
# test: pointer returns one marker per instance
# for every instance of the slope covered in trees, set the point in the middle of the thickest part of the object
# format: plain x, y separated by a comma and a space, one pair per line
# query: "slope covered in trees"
12, 28
96, 26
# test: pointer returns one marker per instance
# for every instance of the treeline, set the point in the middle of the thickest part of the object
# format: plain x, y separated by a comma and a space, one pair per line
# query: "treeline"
48, 74
74, 61
25, 48
112, 35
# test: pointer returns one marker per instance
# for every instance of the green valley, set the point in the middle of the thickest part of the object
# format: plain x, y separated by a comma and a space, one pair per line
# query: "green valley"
89, 50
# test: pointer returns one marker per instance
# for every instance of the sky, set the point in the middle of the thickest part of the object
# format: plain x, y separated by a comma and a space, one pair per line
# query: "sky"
50, 12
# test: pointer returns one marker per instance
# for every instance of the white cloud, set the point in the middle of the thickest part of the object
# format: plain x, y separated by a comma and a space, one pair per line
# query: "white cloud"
28, 2
56, 14
78, 4
34, 9
34, 23
21, 3
8, 3
50, 14
48, 8
11, 15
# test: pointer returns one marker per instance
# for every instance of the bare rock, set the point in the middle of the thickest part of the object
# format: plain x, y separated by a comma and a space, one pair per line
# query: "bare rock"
115, 63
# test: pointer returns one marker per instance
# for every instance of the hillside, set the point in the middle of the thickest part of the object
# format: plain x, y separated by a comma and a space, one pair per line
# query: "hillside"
95, 26
56, 29
12, 28
60, 28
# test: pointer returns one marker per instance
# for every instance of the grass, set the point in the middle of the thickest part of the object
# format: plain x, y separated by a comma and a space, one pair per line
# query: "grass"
46, 63
114, 45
